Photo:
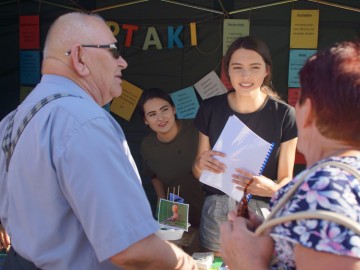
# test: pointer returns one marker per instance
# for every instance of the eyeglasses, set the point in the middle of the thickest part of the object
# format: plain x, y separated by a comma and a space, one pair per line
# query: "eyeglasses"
243, 206
113, 48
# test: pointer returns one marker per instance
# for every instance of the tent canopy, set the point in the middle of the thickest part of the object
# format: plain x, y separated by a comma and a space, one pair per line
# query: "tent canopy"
176, 68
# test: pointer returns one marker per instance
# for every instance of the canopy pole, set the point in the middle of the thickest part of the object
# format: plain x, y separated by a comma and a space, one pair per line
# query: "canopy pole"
8, 2
119, 5
335, 5
58, 5
194, 7
261, 6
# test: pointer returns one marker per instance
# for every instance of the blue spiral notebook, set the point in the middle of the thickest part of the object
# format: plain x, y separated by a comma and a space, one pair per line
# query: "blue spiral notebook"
244, 149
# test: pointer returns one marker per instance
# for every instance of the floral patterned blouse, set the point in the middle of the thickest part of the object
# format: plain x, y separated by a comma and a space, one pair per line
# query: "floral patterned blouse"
328, 188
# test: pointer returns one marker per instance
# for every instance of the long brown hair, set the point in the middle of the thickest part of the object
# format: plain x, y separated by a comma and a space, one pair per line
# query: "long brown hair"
254, 44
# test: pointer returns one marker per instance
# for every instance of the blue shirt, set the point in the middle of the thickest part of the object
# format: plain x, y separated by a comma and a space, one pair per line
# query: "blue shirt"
72, 197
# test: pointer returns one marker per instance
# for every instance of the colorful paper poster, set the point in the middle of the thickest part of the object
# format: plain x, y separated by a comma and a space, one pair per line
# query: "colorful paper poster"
186, 103
304, 29
125, 105
29, 67
210, 86
297, 60
233, 29
173, 214
106, 107
226, 82
29, 32
293, 96
299, 158
24, 91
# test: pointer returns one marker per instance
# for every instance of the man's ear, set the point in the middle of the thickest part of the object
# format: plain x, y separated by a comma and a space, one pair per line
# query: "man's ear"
79, 60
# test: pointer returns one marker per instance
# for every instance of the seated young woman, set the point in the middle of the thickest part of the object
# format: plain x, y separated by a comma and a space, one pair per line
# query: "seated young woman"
168, 151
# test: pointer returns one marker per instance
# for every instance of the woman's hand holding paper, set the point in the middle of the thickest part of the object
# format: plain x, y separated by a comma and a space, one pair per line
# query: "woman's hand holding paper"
261, 185
207, 161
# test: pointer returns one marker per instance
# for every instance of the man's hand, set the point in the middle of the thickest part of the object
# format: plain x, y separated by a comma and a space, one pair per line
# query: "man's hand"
4, 239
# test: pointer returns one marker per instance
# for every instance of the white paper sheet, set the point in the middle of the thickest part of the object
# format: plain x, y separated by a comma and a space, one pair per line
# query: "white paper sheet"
244, 149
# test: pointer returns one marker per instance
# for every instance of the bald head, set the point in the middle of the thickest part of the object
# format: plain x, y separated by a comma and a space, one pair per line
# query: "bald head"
82, 48
72, 28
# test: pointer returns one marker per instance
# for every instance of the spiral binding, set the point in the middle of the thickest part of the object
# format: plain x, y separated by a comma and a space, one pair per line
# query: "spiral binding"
249, 196
266, 158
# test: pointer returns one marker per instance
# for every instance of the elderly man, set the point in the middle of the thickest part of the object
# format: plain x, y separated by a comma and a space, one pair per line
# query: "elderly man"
70, 193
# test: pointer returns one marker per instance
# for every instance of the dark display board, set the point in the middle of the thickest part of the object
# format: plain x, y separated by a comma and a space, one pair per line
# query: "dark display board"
174, 68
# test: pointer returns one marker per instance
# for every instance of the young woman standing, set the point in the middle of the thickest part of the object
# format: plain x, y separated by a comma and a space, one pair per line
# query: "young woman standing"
248, 67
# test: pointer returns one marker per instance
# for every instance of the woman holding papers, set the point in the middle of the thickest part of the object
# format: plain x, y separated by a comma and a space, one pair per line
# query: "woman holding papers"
324, 200
248, 67
168, 151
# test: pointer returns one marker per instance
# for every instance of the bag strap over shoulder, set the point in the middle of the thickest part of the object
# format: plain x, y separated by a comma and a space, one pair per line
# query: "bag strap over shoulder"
310, 214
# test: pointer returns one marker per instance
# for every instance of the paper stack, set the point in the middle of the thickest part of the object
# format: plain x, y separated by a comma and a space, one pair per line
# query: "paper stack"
203, 260
244, 149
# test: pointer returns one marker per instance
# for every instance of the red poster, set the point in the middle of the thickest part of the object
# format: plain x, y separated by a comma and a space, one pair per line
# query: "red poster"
29, 32
293, 96
299, 158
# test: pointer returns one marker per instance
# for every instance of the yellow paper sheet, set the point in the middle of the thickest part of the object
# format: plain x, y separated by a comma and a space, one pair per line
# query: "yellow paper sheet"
304, 29
125, 105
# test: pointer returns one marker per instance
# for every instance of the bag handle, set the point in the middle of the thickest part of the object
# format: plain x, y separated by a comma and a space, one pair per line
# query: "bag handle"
316, 214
